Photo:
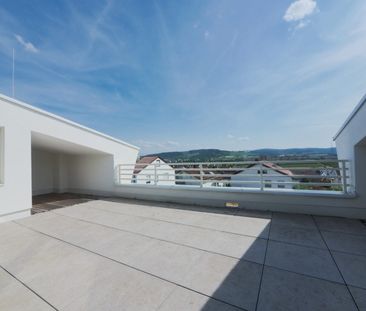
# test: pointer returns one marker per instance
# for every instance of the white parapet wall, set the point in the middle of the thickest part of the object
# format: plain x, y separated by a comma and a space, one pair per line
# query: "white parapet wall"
301, 202
41, 152
351, 145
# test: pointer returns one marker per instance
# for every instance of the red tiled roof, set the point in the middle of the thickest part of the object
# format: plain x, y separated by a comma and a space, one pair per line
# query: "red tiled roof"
272, 166
143, 162
278, 168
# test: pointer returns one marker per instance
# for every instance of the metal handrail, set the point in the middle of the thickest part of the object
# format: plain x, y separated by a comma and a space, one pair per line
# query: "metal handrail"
218, 174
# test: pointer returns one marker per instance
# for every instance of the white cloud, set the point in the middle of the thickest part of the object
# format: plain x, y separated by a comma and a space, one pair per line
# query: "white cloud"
302, 24
28, 46
299, 9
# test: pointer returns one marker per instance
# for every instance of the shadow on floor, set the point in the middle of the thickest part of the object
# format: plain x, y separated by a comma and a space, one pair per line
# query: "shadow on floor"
237, 211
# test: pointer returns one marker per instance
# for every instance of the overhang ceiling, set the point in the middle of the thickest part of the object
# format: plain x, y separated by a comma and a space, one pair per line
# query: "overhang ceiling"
52, 144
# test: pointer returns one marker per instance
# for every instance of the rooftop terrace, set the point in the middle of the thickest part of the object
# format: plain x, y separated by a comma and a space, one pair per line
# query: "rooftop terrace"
135, 255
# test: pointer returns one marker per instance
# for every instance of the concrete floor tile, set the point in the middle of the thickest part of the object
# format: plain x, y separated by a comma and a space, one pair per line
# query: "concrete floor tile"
164, 259
353, 268
72, 278
295, 220
15, 296
255, 227
282, 291
115, 287
240, 247
185, 300
350, 243
338, 224
253, 213
360, 296
168, 261
305, 260
296, 235
229, 280
249, 248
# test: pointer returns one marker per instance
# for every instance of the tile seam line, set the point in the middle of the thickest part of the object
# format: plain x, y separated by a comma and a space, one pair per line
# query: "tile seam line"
29, 288
153, 238
129, 266
115, 260
263, 266
243, 235
233, 214
345, 233
215, 253
177, 223
335, 262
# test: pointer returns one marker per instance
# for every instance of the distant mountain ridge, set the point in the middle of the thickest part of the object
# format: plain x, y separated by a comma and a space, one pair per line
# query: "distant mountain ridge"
201, 155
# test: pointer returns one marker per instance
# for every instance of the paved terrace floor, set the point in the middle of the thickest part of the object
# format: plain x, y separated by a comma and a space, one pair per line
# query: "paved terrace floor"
131, 255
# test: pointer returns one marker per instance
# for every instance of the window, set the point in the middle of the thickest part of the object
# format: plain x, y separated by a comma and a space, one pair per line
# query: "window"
280, 185
267, 184
148, 179
2, 147
263, 171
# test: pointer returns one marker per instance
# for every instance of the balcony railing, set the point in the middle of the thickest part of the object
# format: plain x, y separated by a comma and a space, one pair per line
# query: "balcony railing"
300, 175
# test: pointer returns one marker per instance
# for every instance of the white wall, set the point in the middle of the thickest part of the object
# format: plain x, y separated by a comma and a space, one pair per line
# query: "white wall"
19, 121
306, 202
254, 181
91, 174
1, 155
351, 145
44, 171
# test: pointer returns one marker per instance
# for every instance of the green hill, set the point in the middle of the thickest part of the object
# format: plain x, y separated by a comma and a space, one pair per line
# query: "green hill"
217, 155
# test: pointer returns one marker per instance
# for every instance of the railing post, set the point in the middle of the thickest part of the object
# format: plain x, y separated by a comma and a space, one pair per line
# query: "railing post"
155, 175
261, 171
344, 176
119, 174
201, 175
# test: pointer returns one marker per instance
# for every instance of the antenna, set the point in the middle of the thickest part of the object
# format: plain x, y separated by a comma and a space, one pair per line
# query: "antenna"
13, 86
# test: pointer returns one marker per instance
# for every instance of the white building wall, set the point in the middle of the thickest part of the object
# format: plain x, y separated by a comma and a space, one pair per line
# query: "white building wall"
44, 171
91, 174
254, 181
19, 121
351, 145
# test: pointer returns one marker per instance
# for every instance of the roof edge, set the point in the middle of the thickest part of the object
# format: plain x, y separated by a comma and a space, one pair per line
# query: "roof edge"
64, 120
350, 117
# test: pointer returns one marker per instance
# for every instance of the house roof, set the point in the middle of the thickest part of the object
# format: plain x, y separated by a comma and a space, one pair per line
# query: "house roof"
143, 162
277, 168
272, 166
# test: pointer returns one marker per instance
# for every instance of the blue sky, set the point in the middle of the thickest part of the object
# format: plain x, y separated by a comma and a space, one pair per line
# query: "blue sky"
179, 75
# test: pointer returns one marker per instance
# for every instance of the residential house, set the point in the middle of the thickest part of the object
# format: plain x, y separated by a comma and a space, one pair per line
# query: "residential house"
153, 170
272, 175
191, 176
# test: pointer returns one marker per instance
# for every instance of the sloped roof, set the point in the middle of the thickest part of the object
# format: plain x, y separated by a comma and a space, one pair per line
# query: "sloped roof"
278, 168
272, 166
143, 162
